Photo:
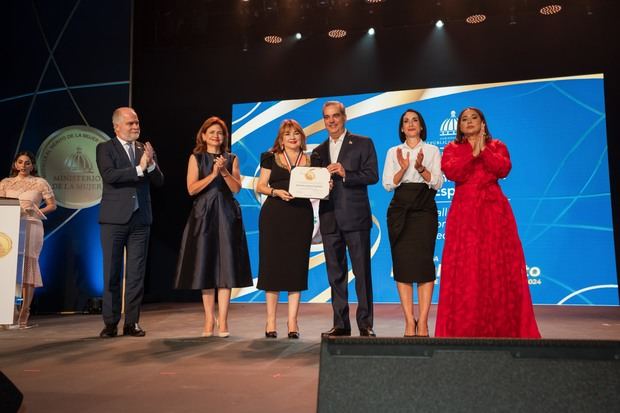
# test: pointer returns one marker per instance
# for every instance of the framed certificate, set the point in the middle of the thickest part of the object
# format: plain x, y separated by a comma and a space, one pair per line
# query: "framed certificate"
309, 182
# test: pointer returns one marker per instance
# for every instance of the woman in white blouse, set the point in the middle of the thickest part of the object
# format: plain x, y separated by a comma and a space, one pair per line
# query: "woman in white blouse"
413, 171
33, 192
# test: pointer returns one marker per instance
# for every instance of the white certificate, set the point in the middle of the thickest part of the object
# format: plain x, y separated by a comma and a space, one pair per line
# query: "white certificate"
309, 182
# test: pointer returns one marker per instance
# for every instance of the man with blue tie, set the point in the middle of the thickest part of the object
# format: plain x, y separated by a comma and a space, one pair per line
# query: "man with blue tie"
345, 218
127, 169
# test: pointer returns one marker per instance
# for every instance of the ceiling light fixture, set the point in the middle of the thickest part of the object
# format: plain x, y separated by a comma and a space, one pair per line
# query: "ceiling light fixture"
550, 9
337, 33
476, 18
273, 39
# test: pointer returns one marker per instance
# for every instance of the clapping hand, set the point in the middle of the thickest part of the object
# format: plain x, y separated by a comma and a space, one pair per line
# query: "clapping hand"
418, 160
147, 158
402, 161
219, 166
150, 152
480, 142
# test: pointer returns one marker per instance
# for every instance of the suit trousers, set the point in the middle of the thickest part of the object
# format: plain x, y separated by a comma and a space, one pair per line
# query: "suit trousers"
134, 236
335, 245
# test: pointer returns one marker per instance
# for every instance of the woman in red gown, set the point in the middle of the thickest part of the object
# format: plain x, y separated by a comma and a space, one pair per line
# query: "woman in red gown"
483, 287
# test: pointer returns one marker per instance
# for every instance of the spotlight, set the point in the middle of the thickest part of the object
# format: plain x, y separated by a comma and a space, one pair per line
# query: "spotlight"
550, 9
374, 1
298, 36
337, 33
371, 31
273, 39
439, 24
476, 18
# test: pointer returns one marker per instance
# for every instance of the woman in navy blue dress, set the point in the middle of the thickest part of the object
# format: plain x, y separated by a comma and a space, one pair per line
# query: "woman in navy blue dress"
214, 250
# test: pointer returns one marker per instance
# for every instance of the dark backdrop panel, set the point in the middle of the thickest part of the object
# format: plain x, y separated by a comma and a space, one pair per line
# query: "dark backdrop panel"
65, 62
185, 73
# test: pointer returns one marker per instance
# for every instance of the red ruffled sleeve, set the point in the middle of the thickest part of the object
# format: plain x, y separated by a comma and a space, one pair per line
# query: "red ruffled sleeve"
455, 161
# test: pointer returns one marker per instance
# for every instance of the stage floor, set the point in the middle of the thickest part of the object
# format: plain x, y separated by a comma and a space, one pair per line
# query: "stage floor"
62, 365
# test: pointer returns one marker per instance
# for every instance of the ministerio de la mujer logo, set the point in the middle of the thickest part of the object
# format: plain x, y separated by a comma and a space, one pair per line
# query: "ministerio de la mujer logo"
67, 160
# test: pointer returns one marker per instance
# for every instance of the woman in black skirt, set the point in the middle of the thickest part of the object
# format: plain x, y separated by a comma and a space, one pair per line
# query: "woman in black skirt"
413, 170
285, 227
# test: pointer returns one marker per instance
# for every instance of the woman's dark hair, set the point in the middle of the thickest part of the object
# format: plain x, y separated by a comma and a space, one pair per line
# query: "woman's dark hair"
401, 134
201, 146
460, 136
30, 155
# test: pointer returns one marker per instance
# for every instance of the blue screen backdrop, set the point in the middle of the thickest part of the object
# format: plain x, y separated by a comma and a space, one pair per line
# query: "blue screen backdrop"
558, 187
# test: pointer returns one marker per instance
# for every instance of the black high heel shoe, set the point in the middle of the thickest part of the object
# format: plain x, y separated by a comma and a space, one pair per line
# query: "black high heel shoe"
293, 334
271, 334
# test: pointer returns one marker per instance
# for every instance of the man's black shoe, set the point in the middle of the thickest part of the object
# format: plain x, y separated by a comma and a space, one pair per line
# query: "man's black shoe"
367, 332
133, 330
109, 331
337, 332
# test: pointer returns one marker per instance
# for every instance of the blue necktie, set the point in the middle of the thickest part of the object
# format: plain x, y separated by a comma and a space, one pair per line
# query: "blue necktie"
132, 154
132, 159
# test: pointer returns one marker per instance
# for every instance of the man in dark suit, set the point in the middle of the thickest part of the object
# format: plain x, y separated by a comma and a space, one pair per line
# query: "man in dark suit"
127, 169
345, 218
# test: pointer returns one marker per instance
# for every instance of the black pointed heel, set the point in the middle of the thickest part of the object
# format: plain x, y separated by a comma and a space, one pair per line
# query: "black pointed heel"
293, 335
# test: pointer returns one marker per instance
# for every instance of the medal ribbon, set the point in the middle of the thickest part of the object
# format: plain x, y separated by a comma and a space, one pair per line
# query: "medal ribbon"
288, 161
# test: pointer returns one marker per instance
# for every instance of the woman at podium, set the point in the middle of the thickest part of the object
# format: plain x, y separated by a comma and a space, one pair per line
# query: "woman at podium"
33, 192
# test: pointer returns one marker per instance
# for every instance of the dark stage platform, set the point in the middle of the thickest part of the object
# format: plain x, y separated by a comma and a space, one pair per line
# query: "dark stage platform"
62, 365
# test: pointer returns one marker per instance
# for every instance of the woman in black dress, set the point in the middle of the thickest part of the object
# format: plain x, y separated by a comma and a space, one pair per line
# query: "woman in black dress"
285, 227
214, 250
413, 170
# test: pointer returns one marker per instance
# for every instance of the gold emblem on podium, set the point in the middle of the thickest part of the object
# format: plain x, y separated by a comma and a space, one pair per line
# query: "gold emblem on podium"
67, 160
6, 244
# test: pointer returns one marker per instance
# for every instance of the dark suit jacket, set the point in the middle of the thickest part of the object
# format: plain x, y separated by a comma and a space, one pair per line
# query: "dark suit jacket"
348, 207
121, 184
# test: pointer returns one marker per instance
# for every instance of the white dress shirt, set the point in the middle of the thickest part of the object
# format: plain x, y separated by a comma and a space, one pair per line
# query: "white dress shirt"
335, 146
431, 161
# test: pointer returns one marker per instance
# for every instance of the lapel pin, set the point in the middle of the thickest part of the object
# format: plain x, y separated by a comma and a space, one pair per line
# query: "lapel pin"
350, 142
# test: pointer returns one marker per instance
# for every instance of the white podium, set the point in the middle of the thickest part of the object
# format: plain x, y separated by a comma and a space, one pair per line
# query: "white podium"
11, 257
